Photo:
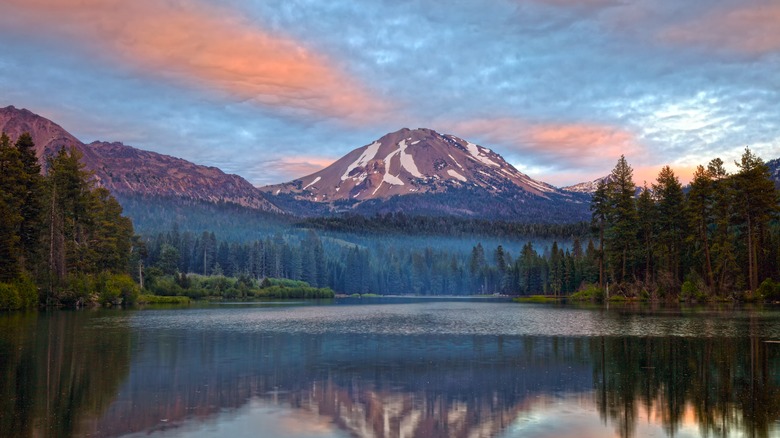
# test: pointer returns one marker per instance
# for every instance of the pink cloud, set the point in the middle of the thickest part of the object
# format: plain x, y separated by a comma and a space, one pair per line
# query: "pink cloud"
649, 173
201, 46
573, 144
750, 29
298, 166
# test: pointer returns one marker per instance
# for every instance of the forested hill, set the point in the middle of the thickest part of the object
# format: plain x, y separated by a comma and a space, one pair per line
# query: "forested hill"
400, 223
720, 239
62, 240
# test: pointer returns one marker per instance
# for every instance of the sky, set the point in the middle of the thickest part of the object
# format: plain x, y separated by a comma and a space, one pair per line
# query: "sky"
273, 90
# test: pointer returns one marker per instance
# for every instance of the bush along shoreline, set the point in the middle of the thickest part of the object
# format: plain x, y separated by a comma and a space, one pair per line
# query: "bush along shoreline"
219, 287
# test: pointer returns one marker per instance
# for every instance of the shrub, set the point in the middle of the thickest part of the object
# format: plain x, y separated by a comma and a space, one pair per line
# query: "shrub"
28, 292
689, 291
156, 299
121, 288
9, 297
769, 290
589, 292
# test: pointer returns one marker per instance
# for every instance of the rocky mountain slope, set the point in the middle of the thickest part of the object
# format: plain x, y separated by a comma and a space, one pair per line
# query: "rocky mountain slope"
411, 161
131, 172
423, 172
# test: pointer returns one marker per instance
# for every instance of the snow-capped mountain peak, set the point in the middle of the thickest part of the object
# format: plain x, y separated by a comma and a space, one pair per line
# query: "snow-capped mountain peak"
412, 161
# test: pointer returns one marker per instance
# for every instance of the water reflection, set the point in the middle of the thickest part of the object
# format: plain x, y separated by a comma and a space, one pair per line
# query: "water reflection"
156, 381
56, 373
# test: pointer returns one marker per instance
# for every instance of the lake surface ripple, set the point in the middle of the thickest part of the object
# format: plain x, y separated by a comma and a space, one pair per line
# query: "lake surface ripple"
392, 368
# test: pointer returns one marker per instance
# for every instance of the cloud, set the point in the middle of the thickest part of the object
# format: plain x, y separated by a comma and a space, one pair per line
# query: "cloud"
286, 168
579, 144
752, 29
202, 46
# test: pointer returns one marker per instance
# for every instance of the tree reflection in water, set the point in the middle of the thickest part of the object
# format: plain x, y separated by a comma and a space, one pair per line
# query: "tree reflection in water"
68, 373
57, 373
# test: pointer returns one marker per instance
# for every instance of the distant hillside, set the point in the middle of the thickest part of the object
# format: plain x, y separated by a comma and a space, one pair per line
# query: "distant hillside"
774, 171
129, 172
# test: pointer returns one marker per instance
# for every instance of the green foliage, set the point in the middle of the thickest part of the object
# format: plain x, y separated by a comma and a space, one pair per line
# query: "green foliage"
690, 291
285, 282
769, 290
119, 289
541, 299
18, 294
9, 297
221, 287
158, 299
589, 292
722, 232
296, 292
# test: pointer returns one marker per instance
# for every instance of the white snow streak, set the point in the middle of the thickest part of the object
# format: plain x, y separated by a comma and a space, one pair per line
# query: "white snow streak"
455, 161
313, 182
407, 161
455, 174
390, 179
363, 159
476, 153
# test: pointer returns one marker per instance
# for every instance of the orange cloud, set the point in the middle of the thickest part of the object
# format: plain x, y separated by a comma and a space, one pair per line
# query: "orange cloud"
751, 29
649, 174
298, 166
575, 143
203, 46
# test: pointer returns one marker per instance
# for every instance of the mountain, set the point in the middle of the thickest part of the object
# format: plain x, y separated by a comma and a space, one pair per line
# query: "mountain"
130, 172
411, 161
588, 187
774, 171
423, 172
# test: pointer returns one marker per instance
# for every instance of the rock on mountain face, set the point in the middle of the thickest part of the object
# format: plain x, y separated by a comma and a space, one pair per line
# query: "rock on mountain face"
422, 172
412, 161
131, 172
588, 187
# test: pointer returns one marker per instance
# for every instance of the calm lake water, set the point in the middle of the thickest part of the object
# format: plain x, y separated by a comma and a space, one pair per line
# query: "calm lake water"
391, 368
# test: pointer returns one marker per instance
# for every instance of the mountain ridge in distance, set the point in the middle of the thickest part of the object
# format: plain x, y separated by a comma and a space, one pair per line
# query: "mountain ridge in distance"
130, 172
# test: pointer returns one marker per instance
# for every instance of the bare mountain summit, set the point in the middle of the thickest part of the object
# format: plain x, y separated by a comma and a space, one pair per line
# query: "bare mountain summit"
411, 161
422, 172
130, 172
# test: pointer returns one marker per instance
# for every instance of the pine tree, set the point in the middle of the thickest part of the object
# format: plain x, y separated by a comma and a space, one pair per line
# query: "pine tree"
622, 221
12, 192
646, 211
755, 206
670, 223
32, 208
700, 217
600, 208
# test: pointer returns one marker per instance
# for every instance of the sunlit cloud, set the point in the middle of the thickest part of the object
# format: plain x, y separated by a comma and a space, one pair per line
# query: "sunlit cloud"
286, 168
203, 46
752, 29
576, 143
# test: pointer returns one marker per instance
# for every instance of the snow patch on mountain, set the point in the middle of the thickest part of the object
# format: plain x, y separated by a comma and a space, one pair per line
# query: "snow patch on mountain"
407, 160
456, 175
312, 183
364, 158
455, 161
475, 151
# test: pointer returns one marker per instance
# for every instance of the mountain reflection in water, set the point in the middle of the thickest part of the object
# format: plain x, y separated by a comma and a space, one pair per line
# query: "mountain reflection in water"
126, 377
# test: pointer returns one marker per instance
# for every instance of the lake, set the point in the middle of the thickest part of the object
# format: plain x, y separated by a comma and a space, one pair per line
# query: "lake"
392, 368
